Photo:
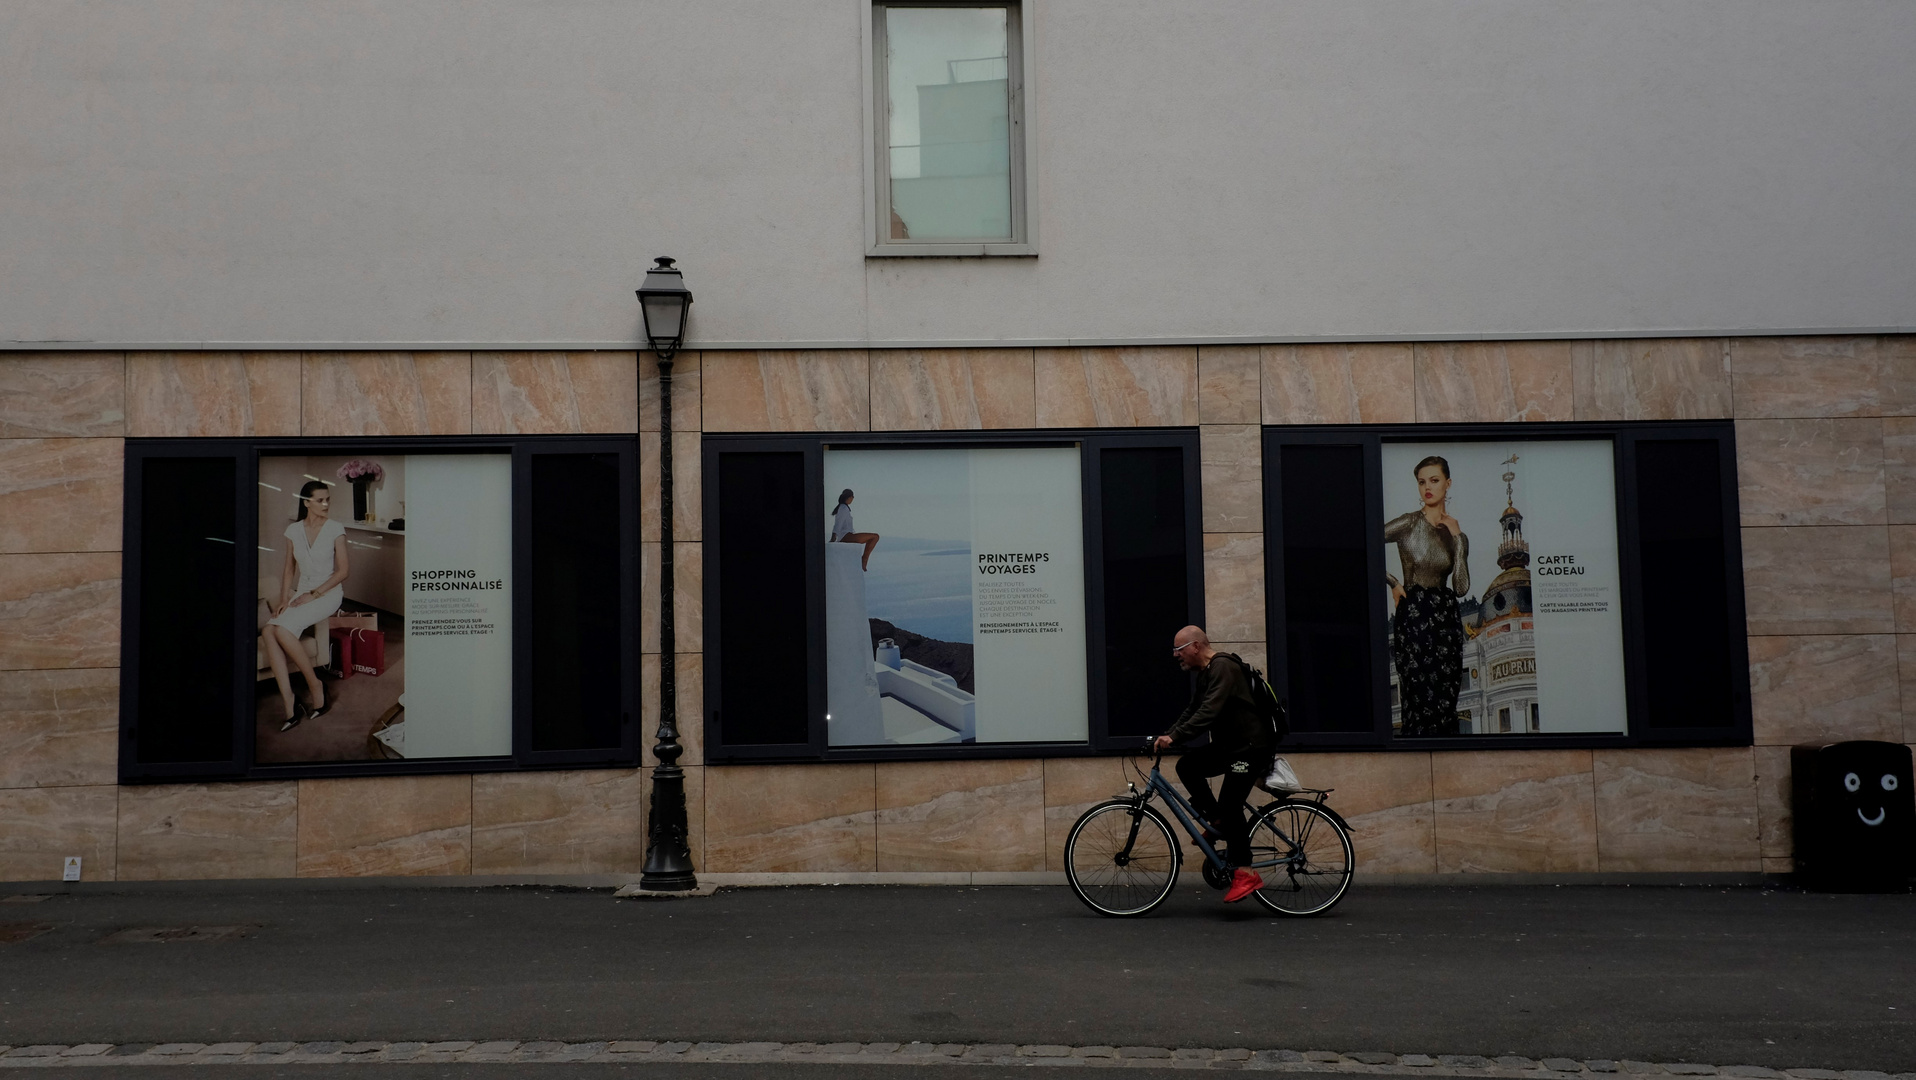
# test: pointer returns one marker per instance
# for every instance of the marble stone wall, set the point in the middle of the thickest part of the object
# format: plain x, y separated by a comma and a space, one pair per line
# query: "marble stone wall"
1825, 485
1826, 431
63, 426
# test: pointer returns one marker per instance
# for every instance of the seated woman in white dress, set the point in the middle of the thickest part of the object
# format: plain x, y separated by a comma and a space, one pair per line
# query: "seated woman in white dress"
316, 550
842, 529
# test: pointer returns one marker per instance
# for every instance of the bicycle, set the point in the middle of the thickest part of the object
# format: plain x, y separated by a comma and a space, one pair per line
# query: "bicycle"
1122, 859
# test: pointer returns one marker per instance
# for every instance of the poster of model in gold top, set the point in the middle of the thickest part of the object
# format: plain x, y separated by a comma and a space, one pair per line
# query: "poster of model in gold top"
1503, 587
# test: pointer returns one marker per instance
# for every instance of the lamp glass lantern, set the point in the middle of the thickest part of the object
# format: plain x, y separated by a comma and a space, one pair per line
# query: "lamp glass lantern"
663, 301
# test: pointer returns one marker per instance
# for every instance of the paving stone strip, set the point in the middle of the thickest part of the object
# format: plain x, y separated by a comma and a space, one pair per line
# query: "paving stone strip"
1357, 1063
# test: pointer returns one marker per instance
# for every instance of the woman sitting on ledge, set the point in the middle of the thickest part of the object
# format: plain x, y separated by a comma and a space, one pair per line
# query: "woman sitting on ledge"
842, 529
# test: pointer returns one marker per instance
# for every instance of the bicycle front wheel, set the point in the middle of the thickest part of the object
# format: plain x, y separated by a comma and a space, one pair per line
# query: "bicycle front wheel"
1121, 859
1305, 857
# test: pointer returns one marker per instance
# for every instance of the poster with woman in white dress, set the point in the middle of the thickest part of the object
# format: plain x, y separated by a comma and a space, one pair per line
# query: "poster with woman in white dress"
384, 607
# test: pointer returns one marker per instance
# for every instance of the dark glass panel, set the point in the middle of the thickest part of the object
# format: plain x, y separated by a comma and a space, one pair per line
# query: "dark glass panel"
189, 539
1146, 591
1685, 598
1327, 589
761, 599
577, 655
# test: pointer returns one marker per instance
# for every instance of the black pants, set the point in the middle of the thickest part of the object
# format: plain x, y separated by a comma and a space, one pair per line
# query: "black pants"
1241, 769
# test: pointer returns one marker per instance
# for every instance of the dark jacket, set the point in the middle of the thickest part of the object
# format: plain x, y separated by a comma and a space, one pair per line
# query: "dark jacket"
1221, 704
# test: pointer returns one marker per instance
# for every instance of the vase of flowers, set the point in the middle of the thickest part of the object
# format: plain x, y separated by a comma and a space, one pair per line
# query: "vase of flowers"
364, 473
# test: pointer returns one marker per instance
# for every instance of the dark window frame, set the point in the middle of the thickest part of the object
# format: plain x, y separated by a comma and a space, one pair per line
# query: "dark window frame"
524, 603
246, 453
138, 452
1624, 437
1091, 441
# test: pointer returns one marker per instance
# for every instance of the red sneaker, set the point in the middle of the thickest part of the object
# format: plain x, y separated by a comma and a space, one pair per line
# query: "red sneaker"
1243, 883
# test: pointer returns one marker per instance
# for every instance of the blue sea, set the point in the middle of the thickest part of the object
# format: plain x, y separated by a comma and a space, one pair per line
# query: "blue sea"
923, 586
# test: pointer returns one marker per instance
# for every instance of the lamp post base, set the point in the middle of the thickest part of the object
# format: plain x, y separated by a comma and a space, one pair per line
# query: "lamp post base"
640, 892
668, 855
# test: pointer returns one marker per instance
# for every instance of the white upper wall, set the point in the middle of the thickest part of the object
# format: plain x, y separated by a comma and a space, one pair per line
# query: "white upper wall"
501, 171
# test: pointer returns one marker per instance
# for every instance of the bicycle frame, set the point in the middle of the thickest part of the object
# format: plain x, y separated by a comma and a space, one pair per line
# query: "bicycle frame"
1186, 814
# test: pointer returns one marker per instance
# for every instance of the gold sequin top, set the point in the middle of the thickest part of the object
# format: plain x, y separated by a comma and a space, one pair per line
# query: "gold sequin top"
1429, 553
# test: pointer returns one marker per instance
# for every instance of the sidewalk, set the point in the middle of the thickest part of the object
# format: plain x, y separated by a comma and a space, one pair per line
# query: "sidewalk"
1728, 975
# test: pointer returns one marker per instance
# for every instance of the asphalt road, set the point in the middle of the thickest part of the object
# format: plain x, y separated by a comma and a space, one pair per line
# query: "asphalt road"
1758, 976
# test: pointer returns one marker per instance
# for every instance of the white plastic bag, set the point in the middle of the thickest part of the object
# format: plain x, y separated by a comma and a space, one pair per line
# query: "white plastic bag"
1282, 779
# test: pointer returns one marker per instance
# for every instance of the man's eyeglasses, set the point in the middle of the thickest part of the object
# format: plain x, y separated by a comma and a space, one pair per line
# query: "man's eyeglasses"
1182, 647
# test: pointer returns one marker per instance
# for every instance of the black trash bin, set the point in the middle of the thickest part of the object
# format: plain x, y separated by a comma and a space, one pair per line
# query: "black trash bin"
1855, 815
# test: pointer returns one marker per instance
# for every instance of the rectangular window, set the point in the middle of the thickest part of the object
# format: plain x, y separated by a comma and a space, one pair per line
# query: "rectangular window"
904, 596
1696, 666
948, 130
1507, 584
577, 705
181, 686
761, 643
1319, 558
1147, 544
346, 606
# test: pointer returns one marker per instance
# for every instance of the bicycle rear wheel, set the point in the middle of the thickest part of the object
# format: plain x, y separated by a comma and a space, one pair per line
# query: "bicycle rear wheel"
1121, 859
1313, 858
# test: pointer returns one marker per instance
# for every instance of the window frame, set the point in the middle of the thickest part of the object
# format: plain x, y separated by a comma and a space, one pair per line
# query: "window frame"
246, 452
524, 604
131, 768
1091, 442
1021, 76
1624, 437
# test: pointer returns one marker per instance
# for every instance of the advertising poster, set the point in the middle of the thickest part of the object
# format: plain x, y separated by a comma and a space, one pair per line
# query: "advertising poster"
954, 596
1502, 587
385, 607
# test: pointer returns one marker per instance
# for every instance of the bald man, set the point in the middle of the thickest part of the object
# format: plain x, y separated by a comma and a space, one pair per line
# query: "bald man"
1242, 744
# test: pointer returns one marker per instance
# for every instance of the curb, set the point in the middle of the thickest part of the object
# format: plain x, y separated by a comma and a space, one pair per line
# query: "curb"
1358, 1063
971, 878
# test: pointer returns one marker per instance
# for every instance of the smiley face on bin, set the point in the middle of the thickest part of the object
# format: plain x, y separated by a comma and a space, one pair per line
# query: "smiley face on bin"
1862, 788
1867, 796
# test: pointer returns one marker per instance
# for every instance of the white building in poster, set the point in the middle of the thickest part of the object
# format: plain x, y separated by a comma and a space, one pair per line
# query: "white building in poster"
873, 696
1500, 648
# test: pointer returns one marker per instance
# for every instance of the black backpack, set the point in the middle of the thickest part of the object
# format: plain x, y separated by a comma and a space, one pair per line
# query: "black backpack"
1263, 698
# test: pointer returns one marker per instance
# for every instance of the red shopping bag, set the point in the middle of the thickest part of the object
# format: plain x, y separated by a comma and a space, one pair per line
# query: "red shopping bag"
342, 642
369, 652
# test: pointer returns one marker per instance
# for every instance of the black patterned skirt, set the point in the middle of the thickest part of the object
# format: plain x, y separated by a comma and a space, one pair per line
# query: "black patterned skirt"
1427, 645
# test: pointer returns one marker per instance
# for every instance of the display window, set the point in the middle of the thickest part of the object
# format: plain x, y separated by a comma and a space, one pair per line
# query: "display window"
886, 596
326, 607
1441, 586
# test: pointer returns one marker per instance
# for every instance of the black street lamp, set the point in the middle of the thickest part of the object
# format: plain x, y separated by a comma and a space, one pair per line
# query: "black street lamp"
664, 302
